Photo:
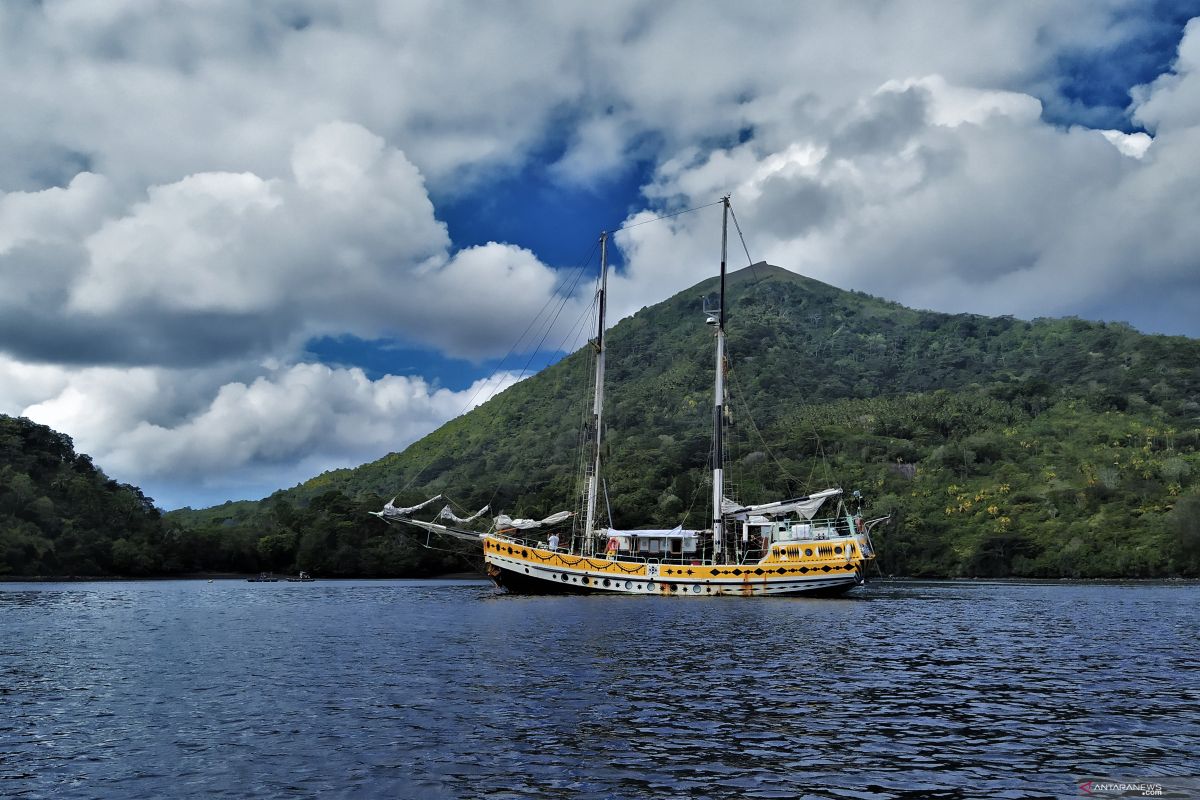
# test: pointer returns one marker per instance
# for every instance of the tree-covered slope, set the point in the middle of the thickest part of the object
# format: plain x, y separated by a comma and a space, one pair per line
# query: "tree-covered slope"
61, 515
1000, 446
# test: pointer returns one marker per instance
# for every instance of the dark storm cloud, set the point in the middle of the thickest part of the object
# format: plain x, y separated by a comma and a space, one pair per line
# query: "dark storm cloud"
149, 338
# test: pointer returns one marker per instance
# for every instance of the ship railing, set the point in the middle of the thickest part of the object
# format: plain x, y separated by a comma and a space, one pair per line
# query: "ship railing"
817, 530
687, 559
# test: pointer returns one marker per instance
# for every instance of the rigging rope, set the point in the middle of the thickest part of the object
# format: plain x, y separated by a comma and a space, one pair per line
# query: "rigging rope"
563, 293
549, 327
824, 462
749, 261
573, 278
666, 216
737, 387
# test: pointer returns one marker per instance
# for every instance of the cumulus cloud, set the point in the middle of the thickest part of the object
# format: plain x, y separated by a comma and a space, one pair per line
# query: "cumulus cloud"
248, 438
216, 86
187, 197
227, 265
957, 198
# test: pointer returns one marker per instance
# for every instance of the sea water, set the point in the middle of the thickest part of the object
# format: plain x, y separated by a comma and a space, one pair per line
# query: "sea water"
413, 689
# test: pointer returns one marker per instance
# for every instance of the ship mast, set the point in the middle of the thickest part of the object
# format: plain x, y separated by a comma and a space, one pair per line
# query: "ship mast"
718, 482
589, 528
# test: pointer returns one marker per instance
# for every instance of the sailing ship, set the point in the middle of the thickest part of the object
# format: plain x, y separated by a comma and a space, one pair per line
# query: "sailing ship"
783, 547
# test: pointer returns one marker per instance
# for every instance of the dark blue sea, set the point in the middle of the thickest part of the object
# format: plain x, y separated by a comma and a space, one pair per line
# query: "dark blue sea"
415, 689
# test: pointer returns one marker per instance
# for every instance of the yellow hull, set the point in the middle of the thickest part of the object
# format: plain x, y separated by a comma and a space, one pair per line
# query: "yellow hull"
828, 566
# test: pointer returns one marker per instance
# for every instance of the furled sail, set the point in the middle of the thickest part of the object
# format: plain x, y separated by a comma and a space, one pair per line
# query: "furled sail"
804, 506
447, 513
390, 511
505, 521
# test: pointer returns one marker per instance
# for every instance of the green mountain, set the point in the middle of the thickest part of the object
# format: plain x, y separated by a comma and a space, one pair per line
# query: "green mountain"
1057, 447
61, 515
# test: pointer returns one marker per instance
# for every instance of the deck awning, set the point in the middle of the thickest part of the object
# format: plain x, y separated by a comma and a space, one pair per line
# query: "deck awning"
663, 533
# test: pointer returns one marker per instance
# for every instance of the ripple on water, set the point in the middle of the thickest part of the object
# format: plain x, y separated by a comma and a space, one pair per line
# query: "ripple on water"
446, 689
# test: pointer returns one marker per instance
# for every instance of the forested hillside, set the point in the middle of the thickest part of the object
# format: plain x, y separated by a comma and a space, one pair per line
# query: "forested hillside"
61, 515
1000, 447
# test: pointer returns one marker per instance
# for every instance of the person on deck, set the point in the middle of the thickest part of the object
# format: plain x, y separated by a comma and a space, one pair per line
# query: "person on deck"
553, 541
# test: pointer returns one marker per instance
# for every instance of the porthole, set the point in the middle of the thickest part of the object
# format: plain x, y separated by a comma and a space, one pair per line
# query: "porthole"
584, 579
808, 551
564, 577
628, 584
696, 588
838, 549
649, 587
607, 581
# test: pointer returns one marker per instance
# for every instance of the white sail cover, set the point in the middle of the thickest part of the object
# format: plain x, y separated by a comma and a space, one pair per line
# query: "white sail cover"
390, 511
448, 513
505, 521
804, 506
677, 532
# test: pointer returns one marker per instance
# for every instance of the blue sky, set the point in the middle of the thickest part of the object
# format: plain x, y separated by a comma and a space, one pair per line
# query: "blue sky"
237, 250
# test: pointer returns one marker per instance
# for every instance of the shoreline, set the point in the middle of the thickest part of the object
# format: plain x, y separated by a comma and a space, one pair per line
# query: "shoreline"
223, 576
474, 576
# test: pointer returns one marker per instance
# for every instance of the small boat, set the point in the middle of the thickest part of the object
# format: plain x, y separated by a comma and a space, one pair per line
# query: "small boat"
303, 577
776, 548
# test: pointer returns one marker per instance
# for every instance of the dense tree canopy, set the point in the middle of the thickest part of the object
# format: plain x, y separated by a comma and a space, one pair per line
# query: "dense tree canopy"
59, 514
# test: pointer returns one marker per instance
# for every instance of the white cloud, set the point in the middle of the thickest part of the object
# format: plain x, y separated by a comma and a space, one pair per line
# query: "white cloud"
1173, 99
961, 199
182, 250
952, 106
247, 438
1133, 145
237, 264
187, 197
149, 97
